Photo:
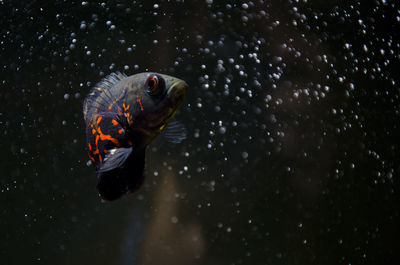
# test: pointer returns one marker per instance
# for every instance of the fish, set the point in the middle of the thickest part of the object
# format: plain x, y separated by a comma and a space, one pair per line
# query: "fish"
123, 114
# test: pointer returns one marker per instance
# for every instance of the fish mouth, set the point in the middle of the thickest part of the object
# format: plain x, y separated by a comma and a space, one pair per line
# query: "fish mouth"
174, 98
176, 95
177, 92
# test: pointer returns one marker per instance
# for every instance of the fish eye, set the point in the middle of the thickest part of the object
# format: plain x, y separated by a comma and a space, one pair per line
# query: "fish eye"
154, 85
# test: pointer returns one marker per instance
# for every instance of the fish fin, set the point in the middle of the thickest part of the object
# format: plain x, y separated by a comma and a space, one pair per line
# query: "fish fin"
102, 95
122, 180
115, 158
174, 132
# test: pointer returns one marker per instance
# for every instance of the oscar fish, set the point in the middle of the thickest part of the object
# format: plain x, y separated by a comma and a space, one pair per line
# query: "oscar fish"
123, 114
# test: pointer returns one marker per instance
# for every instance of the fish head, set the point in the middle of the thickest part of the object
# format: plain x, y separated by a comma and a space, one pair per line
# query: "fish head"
159, 98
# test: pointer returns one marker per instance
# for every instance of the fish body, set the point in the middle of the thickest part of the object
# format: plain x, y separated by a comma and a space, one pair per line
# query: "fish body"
123, 114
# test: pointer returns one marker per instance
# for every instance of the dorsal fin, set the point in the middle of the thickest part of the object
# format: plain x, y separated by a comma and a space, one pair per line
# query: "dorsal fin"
104, 91
110, 80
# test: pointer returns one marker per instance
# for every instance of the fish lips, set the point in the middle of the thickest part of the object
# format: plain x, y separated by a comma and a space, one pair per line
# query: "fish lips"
173, 99
177, 93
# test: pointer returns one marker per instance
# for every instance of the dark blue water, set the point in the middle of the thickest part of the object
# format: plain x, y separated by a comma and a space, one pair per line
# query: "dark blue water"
292, 154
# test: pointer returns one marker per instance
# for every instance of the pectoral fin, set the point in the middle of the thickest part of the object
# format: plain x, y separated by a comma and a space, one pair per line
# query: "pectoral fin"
174, 132
115, 158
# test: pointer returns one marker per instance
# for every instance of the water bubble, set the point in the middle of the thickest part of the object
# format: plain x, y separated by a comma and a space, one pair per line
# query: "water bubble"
83, 25
174, 219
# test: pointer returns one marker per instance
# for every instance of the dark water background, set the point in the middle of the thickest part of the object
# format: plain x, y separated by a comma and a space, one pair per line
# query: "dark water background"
292, 155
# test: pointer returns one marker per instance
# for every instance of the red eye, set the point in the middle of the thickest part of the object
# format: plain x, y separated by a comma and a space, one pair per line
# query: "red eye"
154, 85
152, 82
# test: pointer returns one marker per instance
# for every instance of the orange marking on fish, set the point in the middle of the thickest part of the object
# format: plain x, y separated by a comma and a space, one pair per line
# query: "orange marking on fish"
109, 107
90, 146
99, 119
93, 131
120, 131
100, 158
125, 107
140, 103
105, 151
104, 137
114, 122
97, 141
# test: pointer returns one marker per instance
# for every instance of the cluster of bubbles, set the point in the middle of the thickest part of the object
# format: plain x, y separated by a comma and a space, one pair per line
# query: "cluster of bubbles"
289, 101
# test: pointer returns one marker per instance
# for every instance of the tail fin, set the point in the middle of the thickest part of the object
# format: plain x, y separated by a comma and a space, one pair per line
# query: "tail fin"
122, 180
